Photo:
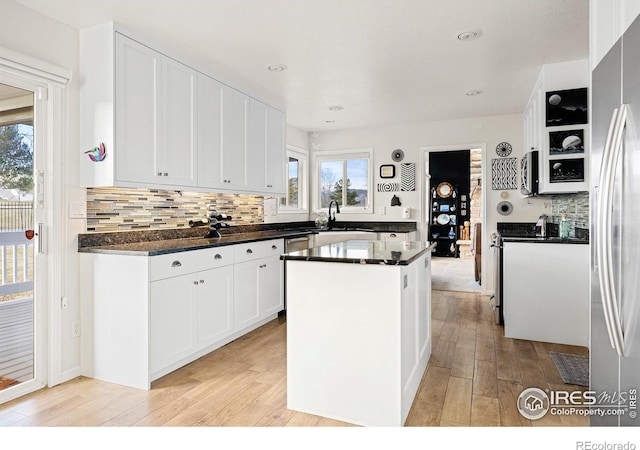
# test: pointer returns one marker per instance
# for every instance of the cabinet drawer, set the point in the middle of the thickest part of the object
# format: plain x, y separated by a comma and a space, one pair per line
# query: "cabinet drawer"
256, 250
181, 263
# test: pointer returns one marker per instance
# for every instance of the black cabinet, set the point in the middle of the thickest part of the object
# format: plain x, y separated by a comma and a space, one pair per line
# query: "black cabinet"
444, 225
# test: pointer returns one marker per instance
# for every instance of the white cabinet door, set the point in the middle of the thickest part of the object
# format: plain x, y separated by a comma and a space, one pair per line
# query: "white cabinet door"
270, 289
172, 321
608, 21
275, 152
257, 155
137, 112
266, 158
179, 143
215, 305
209, 132
246, 309
235, 110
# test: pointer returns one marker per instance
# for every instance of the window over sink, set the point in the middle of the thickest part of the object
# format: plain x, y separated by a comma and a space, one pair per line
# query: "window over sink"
346, 177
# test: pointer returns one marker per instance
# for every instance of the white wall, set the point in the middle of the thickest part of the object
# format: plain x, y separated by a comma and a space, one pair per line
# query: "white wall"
414, 139
35, 35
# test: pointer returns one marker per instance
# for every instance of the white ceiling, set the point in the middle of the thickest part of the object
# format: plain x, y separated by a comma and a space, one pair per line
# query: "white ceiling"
385, 61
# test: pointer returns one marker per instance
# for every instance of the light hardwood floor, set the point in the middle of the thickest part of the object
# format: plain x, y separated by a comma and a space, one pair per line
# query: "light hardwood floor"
473, 379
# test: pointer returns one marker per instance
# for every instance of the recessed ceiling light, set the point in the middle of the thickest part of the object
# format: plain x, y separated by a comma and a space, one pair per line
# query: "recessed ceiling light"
469, 35
277, 68
474, 92
336, 108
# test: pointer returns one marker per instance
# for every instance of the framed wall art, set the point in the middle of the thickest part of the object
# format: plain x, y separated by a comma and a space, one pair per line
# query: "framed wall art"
566, 142
566, 170
568, 107
387, 171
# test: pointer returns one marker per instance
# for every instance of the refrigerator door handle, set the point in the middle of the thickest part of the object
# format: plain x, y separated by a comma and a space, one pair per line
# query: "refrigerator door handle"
603, 182
604, 249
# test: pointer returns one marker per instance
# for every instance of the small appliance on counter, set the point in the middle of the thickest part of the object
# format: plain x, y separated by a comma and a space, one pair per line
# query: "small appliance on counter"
541, 226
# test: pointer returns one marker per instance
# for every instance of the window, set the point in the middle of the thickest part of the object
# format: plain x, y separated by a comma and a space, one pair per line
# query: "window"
345, 177
295, 200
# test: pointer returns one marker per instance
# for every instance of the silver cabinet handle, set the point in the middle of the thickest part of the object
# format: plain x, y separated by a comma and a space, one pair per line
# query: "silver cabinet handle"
201, 281
166, 174
218, 256
176, 264
249, 251
195, 283
274, 247
392, 235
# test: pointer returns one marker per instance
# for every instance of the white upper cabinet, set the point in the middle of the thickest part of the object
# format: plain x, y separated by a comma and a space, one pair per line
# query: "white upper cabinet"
235, 110
137, 112
608, 20
538, 135
266, 149
222, 136
179, 144
163, 124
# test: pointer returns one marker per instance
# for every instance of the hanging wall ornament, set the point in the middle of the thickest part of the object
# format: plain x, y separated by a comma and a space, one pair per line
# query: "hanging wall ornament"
408, 176
504, 173
503, 149
505, 208
388, 187
397, 155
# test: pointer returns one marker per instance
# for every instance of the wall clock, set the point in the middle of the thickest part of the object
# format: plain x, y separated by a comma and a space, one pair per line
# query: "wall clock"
503, 149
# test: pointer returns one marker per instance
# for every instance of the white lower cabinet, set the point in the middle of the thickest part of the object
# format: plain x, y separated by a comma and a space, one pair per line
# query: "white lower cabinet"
258, 281
215, 306
187, 314
166, 311
172, 321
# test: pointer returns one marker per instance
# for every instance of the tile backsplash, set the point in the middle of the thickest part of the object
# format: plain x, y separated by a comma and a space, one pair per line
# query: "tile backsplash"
124, 209
575, 206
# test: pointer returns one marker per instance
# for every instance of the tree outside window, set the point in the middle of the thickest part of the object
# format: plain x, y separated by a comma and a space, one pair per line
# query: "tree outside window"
352, 192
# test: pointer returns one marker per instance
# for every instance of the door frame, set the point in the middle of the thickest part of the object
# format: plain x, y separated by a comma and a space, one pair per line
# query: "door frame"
424, 195
49, 83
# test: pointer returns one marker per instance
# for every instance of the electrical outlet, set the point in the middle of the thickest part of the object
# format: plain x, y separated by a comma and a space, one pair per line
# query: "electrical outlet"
75, 328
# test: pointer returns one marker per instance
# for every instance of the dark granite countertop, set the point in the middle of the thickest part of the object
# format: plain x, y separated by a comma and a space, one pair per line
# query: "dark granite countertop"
547, 240
364, 252
158, 242
185, 244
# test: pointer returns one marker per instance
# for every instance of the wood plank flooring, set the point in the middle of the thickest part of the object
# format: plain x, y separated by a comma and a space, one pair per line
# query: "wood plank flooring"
474, 377
16, 339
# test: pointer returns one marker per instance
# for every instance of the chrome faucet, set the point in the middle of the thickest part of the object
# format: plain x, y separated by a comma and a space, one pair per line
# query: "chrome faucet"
332, 219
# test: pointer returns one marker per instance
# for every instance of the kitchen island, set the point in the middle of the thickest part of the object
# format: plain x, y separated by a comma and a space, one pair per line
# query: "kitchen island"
358, 329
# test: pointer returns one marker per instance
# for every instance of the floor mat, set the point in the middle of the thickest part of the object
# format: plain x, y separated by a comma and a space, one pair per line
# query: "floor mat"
574, 369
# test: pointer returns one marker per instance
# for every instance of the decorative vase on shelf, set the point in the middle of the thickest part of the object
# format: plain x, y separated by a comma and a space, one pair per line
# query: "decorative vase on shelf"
452, 233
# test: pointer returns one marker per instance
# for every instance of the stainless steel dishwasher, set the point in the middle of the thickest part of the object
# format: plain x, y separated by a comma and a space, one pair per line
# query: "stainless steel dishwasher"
293, 245
296, 243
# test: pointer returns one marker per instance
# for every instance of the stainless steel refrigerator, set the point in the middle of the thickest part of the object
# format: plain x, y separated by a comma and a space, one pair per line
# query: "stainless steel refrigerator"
615, 230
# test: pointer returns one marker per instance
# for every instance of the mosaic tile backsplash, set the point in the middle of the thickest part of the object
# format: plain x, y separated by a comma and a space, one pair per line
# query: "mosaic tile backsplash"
120, 209
576, 206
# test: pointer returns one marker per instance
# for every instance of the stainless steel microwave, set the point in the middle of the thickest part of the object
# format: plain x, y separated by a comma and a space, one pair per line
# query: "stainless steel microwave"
529, 173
